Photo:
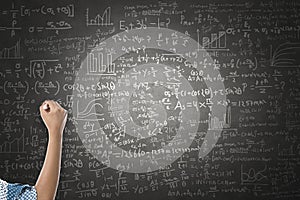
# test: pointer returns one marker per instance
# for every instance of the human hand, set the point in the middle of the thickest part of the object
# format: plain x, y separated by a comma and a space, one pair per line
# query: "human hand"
54, 117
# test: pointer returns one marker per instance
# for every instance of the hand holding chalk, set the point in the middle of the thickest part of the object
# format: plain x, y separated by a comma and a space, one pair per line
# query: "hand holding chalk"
54, 117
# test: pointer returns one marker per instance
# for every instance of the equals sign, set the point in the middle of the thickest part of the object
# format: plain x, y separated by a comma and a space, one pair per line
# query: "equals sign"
8, 71
234, 103
4, 12
277, 86
189, 105
39, 29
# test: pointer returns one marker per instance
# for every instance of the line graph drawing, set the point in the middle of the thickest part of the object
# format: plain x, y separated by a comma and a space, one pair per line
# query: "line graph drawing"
252, 176
89, 112
286, 55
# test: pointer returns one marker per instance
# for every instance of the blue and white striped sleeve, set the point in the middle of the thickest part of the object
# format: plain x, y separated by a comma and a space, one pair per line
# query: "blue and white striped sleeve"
16, 191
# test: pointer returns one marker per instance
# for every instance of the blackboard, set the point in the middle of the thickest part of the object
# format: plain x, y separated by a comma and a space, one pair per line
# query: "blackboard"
166, 99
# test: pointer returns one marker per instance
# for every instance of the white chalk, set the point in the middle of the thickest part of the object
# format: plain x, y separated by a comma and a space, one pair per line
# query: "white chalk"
46, 107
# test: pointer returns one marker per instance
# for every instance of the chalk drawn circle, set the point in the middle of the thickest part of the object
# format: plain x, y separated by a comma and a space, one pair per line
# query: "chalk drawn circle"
93, 102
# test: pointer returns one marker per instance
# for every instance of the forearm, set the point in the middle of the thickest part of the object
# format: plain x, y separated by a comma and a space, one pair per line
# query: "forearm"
47, 182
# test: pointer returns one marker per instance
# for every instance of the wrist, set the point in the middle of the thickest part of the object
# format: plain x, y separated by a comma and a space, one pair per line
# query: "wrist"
55, 135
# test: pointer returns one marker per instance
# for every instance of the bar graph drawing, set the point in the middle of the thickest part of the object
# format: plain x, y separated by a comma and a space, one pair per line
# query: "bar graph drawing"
100, 64
99, 20
13, 52
15, 146
214, 123
215, 41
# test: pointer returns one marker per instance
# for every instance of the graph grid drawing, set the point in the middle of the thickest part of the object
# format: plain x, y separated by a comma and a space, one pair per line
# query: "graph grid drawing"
98, 64
13, 52
99, 20
15, 146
